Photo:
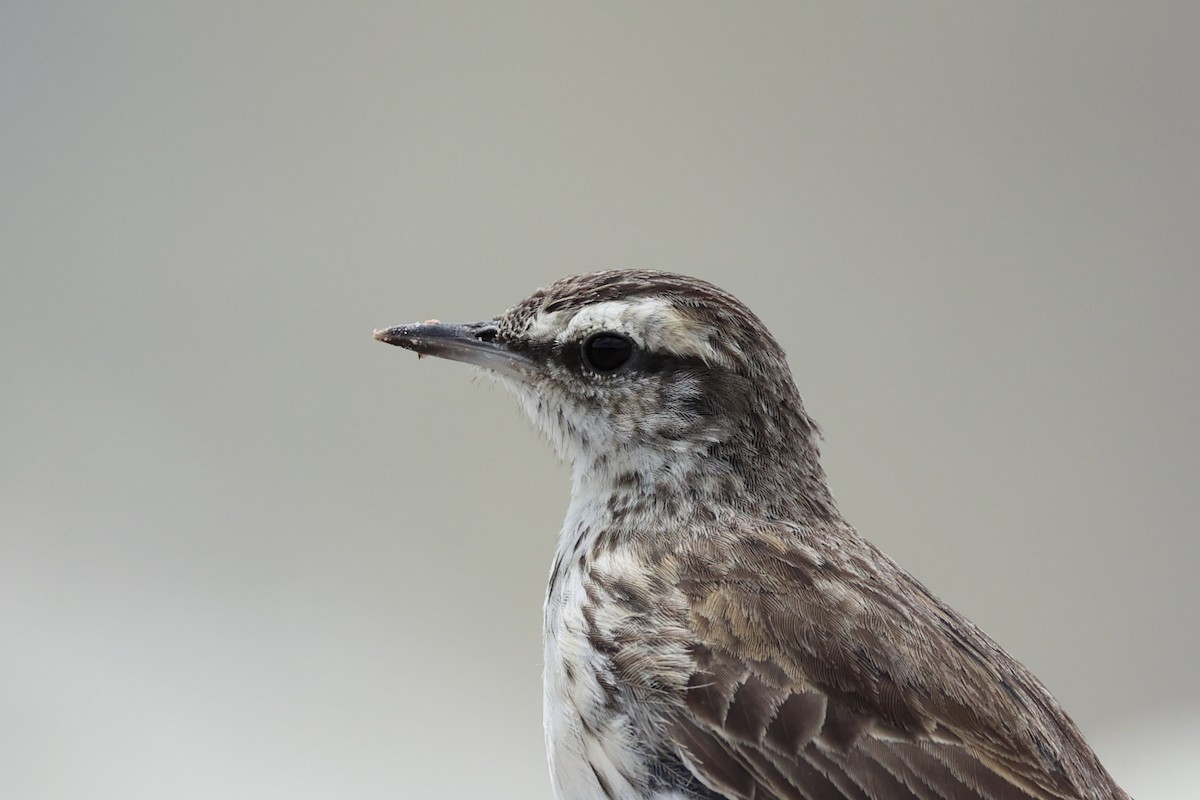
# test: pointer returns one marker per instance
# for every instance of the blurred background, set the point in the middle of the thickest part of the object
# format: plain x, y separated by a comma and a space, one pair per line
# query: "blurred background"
248, 552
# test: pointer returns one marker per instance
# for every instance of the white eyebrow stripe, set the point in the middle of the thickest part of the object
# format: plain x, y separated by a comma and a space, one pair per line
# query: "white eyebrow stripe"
545, 326
653, 323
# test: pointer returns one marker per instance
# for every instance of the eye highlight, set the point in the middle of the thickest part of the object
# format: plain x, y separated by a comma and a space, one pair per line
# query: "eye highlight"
606, 352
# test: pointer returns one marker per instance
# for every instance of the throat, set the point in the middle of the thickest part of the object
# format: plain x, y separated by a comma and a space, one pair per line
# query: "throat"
610, 504
643, 493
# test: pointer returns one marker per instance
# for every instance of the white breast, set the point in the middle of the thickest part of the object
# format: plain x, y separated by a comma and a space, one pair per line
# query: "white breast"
590, 743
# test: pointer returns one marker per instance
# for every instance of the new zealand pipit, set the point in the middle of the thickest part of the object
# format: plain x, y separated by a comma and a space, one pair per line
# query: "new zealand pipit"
713, 627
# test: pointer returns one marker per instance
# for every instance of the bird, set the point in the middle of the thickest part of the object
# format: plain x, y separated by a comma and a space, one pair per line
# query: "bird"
714, 629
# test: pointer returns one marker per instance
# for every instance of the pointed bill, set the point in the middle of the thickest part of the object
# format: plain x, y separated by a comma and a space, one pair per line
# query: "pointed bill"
472, 343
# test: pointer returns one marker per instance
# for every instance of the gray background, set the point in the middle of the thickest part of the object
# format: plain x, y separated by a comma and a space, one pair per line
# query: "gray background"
246, 551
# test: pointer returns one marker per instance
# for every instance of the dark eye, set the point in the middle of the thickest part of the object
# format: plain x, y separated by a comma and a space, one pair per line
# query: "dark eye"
606, 352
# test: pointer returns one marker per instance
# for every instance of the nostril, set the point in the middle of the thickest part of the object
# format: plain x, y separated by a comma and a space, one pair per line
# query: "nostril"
487, 334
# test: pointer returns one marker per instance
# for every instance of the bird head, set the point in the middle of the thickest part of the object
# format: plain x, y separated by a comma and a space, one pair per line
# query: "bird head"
646, 378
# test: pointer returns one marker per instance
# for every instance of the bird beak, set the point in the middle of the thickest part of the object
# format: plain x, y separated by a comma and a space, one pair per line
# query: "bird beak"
472, 343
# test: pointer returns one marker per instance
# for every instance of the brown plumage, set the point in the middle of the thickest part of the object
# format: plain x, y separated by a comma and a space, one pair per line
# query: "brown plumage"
714, 628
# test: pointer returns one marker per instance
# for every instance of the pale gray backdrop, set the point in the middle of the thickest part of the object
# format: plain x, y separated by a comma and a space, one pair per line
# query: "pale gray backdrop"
248, 552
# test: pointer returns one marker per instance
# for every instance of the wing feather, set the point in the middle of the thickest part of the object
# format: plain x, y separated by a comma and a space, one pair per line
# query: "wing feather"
839, 677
